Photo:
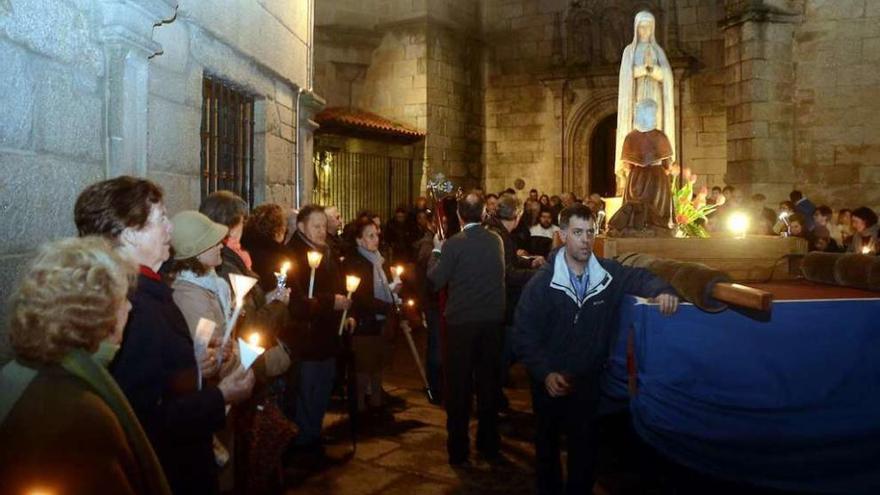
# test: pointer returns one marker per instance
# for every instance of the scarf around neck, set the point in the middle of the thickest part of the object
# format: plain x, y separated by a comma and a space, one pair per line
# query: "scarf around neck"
80, 364
381, 291
213, 283
235, 246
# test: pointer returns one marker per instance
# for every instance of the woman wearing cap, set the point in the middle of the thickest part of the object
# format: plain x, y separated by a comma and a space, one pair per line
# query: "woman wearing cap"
198, 291
65, 426
265, 309
156, 367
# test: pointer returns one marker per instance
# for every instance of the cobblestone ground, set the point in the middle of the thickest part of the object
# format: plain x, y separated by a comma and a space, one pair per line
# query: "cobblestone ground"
403, 449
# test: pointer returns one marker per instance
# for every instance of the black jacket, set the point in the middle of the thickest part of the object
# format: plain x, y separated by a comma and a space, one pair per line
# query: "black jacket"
365, 307
156, 369
314, 326
517, 271
553, 333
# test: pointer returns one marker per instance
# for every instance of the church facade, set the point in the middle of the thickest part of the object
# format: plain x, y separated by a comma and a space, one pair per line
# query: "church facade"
770, 94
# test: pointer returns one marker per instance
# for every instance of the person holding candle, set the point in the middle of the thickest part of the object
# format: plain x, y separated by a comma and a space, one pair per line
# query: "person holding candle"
373, 309
865, 231
263, 308
198, 291
261, 430
156, 367
64, 423
313, 332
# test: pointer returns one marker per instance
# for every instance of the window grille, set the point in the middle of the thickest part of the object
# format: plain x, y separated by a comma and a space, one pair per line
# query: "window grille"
227, 140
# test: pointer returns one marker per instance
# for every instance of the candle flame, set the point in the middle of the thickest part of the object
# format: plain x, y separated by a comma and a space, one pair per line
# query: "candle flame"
314, 259
866, 250
410, 303
254, 339
398, 270
351, 283
285, 267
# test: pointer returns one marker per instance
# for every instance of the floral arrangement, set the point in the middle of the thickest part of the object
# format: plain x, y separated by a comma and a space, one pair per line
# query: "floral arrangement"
690, 209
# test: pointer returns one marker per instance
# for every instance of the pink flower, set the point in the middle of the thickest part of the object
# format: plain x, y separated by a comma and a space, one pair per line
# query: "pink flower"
681, 219
675, 169
686, 174
693, 179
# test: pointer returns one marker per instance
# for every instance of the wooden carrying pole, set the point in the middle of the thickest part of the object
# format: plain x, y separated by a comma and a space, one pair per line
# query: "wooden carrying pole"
743, 296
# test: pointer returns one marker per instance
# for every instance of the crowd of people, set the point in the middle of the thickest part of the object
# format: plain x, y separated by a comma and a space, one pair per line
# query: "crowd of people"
845, 230
126, 339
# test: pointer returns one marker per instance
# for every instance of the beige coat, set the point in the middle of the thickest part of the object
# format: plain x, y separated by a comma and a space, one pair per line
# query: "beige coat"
196, 302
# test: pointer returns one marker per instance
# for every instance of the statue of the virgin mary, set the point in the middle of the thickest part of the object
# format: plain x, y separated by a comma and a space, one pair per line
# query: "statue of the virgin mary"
645, 74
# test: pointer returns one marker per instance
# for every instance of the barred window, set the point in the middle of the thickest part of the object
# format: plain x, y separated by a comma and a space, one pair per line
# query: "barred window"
227, 140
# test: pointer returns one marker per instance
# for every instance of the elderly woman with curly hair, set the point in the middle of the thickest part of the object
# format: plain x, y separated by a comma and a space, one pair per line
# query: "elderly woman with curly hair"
156, 366
65, 426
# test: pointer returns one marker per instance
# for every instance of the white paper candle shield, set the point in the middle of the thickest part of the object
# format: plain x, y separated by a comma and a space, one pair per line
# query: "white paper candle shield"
248, 353
204, 331
241, 285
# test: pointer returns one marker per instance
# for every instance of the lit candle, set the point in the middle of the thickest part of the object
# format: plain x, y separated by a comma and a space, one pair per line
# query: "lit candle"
410, 303
866, 249
314, 260
281, 276
397, 271
738, 224
351, 284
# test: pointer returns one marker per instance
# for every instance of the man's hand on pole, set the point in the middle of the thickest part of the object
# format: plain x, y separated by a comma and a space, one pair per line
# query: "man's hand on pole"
668, 303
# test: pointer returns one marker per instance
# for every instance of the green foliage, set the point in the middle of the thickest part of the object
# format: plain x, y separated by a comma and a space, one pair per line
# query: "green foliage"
689, 209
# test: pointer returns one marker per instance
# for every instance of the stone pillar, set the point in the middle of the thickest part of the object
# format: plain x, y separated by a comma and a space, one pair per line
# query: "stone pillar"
309, 105
127, 32
759, 96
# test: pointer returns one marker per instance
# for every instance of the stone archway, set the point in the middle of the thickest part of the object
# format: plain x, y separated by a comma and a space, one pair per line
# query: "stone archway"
597, 105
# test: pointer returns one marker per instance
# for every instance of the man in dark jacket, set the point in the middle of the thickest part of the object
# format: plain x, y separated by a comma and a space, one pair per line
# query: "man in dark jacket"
518, 271
313, 338
564, 329
471, 263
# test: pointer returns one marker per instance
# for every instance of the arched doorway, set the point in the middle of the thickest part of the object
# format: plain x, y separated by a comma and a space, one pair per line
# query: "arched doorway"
602, 179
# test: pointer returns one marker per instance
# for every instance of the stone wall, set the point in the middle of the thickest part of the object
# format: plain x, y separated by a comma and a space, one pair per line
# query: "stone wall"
228, 42
52, 130
703, 137
455, 124
837, 146
92, 89
416, 62
522, 114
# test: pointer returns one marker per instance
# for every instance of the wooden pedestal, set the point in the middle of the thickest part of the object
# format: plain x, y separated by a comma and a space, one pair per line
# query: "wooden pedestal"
752, 259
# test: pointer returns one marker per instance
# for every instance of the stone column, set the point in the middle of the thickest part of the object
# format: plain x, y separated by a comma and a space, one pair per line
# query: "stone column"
759, 96
309, 105
127, 32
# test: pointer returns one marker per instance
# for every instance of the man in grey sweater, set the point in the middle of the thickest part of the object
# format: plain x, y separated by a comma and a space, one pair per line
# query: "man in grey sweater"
471, 265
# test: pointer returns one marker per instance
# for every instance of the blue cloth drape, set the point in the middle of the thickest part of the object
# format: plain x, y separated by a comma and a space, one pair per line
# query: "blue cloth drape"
791, 403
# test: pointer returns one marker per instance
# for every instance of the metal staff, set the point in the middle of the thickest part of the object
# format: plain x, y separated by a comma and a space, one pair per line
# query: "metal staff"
407, 332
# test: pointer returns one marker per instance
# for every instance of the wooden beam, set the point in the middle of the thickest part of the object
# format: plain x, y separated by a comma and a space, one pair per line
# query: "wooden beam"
743, 296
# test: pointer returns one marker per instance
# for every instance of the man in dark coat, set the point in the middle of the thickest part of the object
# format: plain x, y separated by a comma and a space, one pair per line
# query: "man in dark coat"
471, 263
564, 329
313, 338
518, 271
